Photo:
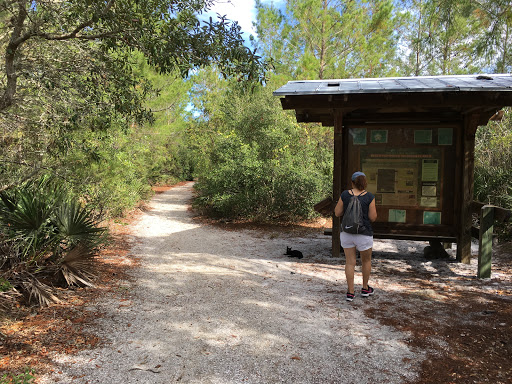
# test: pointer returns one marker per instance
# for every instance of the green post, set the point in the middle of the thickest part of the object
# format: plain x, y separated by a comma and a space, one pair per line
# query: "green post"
485, 241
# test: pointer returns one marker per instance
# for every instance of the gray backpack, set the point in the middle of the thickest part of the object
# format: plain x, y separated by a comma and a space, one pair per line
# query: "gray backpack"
352, 221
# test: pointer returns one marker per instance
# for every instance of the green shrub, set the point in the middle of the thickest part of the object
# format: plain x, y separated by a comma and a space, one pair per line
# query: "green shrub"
40, 220
5, 285
22, 378
50, 240
261, 164
493, 168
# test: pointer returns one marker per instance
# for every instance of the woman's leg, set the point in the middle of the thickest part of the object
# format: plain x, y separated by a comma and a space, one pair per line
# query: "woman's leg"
350, 265
366, 259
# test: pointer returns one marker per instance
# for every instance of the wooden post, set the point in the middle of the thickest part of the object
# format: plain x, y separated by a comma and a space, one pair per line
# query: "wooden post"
466, 188
336, 180
485, 241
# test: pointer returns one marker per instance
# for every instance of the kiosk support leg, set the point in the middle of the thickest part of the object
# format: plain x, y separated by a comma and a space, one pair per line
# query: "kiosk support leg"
467, 178
336, 182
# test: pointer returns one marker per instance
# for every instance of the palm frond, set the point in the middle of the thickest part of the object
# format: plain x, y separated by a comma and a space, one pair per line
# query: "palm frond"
28, 225
8, 300
75, 225
40, 292
8, 202
77, 266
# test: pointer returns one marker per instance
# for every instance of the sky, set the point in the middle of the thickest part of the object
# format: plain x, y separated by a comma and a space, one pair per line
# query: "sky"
242, 11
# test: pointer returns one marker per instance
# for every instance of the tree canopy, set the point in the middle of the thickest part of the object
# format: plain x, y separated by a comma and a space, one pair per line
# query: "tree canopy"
168, 32
317, 39
71, 65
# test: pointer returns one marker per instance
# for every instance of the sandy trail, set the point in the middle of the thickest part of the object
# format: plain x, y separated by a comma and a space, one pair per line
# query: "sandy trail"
214, 306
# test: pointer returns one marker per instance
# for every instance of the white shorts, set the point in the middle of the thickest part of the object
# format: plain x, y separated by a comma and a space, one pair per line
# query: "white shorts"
360, 242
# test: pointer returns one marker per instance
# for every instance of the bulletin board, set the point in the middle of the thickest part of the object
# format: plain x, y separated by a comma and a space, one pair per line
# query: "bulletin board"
409, 169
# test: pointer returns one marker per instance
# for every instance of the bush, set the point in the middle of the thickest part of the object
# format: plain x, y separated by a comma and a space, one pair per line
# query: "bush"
22, 378
5, 285
49, 238
261, 164
40, 220
493, 167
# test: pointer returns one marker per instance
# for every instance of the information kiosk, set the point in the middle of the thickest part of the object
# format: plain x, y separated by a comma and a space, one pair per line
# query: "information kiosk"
414, 139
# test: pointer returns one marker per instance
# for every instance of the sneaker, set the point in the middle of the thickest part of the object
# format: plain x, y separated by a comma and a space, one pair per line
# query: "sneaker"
350, 296
367, 292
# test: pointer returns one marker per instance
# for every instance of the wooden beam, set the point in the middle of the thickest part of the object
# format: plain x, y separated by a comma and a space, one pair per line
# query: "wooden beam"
325, 207
498, 116
460, 100
414, 229
376, 116
366, 116
379, 116
466, 184
500, 214
336, 179
408, 237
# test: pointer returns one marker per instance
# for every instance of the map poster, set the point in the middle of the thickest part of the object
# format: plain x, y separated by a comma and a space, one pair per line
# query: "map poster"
396, 176
386, 179
392, 181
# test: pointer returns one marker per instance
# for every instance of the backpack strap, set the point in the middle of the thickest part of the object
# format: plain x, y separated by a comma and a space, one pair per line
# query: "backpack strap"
351, 192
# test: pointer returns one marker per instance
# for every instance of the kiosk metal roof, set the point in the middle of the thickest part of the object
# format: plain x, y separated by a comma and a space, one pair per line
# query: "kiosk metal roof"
465, 83
411, 98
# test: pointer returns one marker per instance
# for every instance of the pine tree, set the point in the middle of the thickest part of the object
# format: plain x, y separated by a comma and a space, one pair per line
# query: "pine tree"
320, 39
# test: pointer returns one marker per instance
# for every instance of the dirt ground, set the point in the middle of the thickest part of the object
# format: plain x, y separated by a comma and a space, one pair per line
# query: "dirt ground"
434, 316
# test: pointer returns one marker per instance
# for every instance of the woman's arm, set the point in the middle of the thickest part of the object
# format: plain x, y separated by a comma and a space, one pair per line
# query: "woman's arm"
372, 211
338, 210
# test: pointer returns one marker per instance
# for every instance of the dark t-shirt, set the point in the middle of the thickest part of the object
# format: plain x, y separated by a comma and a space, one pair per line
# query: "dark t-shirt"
365, 201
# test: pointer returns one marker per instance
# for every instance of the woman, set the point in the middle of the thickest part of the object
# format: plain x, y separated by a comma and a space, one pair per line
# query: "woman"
363, 242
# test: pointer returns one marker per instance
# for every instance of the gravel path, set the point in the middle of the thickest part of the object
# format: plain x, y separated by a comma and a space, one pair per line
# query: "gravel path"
214, 306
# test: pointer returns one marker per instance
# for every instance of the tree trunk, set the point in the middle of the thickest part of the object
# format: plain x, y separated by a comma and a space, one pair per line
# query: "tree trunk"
10, 54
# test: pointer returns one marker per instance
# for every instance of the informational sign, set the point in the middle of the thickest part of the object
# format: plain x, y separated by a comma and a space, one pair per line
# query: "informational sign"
423, 136
379, 136
429, 194
397, 215
406, 170
358, 136
429, 189
445, 136
430, 170
393, 181
397, 179
431, 217
430, 202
